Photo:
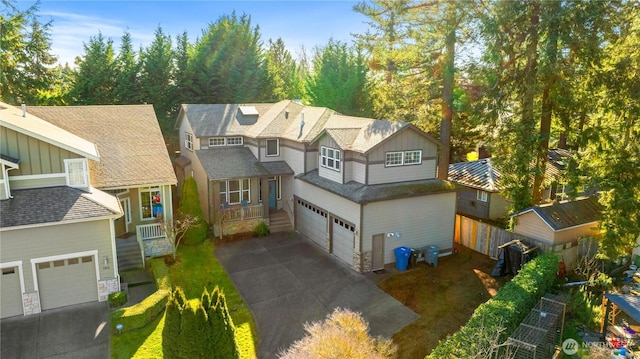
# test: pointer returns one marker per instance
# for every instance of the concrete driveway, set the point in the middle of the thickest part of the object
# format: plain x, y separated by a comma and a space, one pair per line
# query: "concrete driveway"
75, 332
287, 281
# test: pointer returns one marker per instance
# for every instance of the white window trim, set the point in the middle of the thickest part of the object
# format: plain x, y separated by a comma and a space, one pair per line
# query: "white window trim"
234, 144
324, 158
266, 149
149, 190
386, 157
482, 196
241, 190
85, 170
403, 158
188, 141
211, 139
126, 209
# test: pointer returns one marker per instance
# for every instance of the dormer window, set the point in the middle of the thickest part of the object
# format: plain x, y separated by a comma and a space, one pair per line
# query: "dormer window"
77, 172
273, 147
188, 141
234, 141
225, 141
330, 158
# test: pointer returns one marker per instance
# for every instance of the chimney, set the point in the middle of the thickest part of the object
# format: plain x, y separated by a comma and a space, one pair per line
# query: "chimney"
24, 110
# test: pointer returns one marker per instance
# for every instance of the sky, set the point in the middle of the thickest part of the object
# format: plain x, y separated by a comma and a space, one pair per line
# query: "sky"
298, 22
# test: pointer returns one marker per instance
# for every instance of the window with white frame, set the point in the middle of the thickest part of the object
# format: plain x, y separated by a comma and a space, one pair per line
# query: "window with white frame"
150, 203
403, 158
273, 147
216, 141
234, 141
481, 196
188, 141
235, 191
77, 172
330, 158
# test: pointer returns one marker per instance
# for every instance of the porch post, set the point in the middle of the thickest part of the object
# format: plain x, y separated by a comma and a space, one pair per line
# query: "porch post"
265, 196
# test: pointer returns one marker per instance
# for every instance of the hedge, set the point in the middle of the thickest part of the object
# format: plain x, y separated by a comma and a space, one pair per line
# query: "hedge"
141, 314
503, 313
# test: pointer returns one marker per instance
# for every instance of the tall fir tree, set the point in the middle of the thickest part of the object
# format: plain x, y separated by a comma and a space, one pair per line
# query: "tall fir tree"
127, 87
94, 79
156, 78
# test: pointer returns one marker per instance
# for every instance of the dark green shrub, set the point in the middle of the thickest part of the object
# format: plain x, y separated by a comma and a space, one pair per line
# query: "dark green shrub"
161, 274
504, 312
141, 314
190, 205
261, 230
117, 299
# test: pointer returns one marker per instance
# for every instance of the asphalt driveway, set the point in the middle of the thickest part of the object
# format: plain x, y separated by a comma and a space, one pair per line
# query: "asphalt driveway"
287, 281
75, 332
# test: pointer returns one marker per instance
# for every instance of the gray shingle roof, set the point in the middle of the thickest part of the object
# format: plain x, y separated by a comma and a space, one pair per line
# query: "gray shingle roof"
54, 204
11, 160
277, 168
130, 144
562, 215
359, 193
231, 162
208, 120
480, 174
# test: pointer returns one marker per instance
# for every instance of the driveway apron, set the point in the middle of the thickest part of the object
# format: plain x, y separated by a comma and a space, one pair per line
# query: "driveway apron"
75, 332
287, 281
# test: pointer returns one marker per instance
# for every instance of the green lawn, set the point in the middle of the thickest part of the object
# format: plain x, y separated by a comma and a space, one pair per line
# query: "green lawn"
196, 268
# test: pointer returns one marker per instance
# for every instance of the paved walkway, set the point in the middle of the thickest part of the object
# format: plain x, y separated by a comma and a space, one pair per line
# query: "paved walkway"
287, 281
75, 332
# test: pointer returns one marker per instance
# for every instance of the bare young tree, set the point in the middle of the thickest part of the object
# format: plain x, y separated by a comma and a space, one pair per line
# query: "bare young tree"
179, 228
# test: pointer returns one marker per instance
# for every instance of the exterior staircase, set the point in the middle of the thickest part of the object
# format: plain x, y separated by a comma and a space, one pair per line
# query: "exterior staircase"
129, 256
279, 222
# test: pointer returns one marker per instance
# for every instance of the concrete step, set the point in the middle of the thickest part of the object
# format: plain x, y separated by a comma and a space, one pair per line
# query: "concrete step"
279, 222
129, 256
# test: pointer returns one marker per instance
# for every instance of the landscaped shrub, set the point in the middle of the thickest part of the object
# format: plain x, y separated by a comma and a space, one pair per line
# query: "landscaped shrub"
343, 334
141, 314
261, 230
161, 274
190, 205
198, 328
117, 299
503, 313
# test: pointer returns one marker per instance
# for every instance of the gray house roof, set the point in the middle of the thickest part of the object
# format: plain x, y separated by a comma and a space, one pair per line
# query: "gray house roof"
128, 137
238, 162
55, 204
480, 174
567, 214
359, 193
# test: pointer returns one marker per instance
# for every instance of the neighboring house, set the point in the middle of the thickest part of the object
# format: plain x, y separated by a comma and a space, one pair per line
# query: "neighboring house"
356, 187
58, 223
481, 197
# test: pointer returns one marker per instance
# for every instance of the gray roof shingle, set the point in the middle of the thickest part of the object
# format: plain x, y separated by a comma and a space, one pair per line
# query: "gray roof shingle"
53, 204
360, 193
230, 162
562, 215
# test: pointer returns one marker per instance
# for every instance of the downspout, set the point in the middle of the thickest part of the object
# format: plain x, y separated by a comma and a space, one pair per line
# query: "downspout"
5, 175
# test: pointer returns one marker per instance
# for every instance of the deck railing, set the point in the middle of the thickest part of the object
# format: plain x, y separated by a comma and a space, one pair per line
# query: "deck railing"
241, 213
150, 231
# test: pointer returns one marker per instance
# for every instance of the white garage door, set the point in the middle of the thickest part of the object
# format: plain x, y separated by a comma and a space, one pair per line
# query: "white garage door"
312, 222
10, 293
67, 281
342, 237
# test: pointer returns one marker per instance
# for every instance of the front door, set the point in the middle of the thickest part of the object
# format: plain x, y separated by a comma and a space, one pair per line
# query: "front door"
377, 252
272, 194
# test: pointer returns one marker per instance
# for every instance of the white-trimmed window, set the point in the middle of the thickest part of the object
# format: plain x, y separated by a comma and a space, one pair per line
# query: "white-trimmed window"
188, 141
481, 195
403, 158
77, 172
235, 191
273, 147
234, 141
330, 158
150, 203
216, 141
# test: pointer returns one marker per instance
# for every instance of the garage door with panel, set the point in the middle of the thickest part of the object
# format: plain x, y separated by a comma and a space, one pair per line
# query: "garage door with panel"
10, 293
312, 222
67, 282
342, 236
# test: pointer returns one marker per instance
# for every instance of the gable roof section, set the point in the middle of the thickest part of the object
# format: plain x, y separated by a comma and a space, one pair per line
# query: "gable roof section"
133, 152
237, 162
480, 174
362, 194
210, 120
33, 126
564, 215
39, 206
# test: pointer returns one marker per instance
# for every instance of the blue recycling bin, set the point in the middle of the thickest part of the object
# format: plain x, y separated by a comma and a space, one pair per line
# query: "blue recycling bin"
402, 257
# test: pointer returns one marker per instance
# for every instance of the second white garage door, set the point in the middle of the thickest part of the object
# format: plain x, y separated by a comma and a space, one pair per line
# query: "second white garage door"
312, 222
342, 239
67, 282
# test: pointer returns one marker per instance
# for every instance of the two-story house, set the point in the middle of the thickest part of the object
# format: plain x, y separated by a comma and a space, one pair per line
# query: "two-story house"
357, 187
59, 214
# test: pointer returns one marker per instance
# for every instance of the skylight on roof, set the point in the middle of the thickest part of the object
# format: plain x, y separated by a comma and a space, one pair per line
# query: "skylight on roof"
248, 110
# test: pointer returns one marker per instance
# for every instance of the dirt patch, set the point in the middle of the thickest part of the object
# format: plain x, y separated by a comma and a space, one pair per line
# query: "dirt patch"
444, 296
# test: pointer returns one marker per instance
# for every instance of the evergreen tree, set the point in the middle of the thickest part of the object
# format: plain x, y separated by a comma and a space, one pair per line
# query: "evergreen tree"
94, 80
158, 86
282, 77
127, 87
182, 56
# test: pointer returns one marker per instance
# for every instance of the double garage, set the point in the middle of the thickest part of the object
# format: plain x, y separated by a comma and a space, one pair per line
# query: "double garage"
333, 234
59, 281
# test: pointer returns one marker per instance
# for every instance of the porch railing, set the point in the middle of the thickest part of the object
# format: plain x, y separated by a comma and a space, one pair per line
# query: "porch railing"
241, 213
150, 231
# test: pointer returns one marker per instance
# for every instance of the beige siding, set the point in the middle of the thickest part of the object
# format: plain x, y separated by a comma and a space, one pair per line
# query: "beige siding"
330, 202
379, 174
312, 160
421, 221
185, 126
572, 234
37, 181
36, 157
293, 154
253, 147
26, 244
328, 173
354, 167
531, 225
404, 141
497, 206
